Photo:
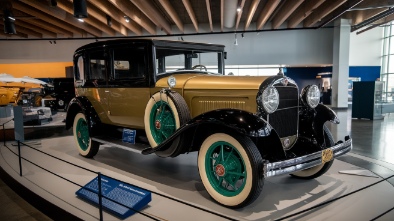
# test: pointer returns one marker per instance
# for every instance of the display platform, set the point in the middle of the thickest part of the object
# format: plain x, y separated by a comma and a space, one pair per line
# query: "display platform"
178, 193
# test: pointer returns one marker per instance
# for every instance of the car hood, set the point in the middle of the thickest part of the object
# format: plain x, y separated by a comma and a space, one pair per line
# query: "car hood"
202, 81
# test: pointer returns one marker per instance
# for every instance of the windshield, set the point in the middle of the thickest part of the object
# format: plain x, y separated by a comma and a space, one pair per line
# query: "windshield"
170, 59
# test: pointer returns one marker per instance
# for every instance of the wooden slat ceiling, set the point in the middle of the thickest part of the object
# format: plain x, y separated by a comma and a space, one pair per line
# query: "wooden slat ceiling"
40, 19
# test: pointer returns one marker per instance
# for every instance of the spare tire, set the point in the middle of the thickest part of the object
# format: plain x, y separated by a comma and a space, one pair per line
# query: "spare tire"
165, 112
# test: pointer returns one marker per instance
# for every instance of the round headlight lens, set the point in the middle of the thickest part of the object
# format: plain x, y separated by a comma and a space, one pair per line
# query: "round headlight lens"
270, 99
313, 96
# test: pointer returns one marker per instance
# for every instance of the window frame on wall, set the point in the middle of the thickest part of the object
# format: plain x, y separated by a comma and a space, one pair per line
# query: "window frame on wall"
387, 70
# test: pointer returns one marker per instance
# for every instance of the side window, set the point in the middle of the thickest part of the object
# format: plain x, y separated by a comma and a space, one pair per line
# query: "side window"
129, 65
98, 69
79, 73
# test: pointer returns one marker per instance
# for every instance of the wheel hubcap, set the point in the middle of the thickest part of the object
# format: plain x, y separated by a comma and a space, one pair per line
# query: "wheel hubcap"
82, 134
162, 121
220, 170
225, 169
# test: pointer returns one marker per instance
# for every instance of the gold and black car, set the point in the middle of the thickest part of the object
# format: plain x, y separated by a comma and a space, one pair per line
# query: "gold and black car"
169, 98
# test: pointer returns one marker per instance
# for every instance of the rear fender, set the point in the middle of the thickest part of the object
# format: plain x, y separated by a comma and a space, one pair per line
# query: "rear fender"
82, 104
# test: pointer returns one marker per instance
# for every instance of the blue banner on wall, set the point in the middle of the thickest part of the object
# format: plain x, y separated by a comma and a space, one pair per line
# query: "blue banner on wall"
128, 195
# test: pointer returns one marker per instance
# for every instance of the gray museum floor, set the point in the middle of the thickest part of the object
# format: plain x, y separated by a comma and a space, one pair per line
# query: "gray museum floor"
178, 194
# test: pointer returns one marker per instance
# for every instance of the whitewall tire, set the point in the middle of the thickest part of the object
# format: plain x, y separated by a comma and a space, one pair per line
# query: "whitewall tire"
231, 169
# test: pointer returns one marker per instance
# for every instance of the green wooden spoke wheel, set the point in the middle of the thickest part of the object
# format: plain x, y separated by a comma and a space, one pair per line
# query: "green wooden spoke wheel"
86, 146
230, 169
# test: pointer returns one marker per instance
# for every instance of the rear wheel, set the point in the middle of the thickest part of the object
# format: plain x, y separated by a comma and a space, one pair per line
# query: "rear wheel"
318, 170
230, 169
86, 146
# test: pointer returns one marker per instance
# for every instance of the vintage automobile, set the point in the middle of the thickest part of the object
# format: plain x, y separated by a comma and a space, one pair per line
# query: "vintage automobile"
170, 98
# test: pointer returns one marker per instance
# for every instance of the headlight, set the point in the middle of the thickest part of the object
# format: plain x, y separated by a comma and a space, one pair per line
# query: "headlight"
270, 99
311, 95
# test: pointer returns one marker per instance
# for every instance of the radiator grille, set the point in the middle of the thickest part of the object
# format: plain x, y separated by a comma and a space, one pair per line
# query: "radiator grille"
213, 105
285, 118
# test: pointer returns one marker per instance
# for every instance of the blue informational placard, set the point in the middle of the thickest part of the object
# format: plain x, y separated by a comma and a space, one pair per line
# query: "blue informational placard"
128, 195
128, 136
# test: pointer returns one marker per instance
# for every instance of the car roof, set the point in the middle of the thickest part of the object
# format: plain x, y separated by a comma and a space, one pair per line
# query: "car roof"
156, 42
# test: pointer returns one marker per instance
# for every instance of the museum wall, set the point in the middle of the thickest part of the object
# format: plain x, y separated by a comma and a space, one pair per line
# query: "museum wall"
296, 47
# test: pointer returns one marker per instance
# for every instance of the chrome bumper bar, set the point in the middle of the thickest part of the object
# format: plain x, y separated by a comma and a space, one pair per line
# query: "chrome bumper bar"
305, 162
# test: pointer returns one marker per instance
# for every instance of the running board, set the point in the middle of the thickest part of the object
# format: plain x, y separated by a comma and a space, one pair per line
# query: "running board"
138, 148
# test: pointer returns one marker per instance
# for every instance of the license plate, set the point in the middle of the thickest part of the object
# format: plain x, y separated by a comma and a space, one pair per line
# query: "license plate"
326, 155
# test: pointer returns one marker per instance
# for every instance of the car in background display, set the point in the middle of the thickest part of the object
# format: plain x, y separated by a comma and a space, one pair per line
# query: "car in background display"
169, 98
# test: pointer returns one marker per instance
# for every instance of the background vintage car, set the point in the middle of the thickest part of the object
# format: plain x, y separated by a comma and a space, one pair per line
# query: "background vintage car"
170, 98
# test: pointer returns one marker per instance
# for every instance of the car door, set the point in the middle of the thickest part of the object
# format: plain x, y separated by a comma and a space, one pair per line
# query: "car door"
128, 91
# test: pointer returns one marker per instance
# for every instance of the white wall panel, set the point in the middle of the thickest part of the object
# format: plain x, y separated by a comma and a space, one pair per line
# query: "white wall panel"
366, 48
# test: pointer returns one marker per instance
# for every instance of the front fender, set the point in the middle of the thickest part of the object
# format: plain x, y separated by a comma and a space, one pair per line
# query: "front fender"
312, 121
82, 104
241, 121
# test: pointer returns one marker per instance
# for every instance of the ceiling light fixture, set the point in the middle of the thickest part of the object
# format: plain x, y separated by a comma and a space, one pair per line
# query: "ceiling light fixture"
126, 18
53, 3
80, 9
9, 26
81, 20
109, 21
239, 9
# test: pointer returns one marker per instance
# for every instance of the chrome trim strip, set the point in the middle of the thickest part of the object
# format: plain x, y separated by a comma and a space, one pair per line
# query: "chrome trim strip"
304, 162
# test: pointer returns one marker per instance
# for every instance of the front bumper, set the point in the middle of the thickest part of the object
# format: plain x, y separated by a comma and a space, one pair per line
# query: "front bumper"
307, 161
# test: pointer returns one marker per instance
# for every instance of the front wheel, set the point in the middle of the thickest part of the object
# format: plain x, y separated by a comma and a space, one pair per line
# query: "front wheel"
86, 146
231, 169
318, 170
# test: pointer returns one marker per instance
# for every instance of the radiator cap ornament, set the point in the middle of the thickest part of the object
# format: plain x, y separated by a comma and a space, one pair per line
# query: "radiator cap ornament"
285, 81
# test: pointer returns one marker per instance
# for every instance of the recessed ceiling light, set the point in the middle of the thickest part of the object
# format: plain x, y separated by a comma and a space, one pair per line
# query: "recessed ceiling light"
126, 18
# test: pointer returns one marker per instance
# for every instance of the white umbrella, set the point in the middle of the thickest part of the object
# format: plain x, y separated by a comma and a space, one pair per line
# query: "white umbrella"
27, 79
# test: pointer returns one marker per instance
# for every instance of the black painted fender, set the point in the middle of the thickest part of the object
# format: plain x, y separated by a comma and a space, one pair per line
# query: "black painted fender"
82, 104
240, 121
312, 121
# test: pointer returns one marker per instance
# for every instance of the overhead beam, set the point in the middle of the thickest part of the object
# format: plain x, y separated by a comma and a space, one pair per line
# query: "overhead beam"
239, 14
190, 11
383, 21
287, 9
49, 27
47, 18
373, 4
68, 7
64, 16
117, 15
322, 11
252, 10
361, 15
35, 28
268, 9
153, 14
338, 12
303, 12
208, 4
135, 14
173, 14
377, 17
